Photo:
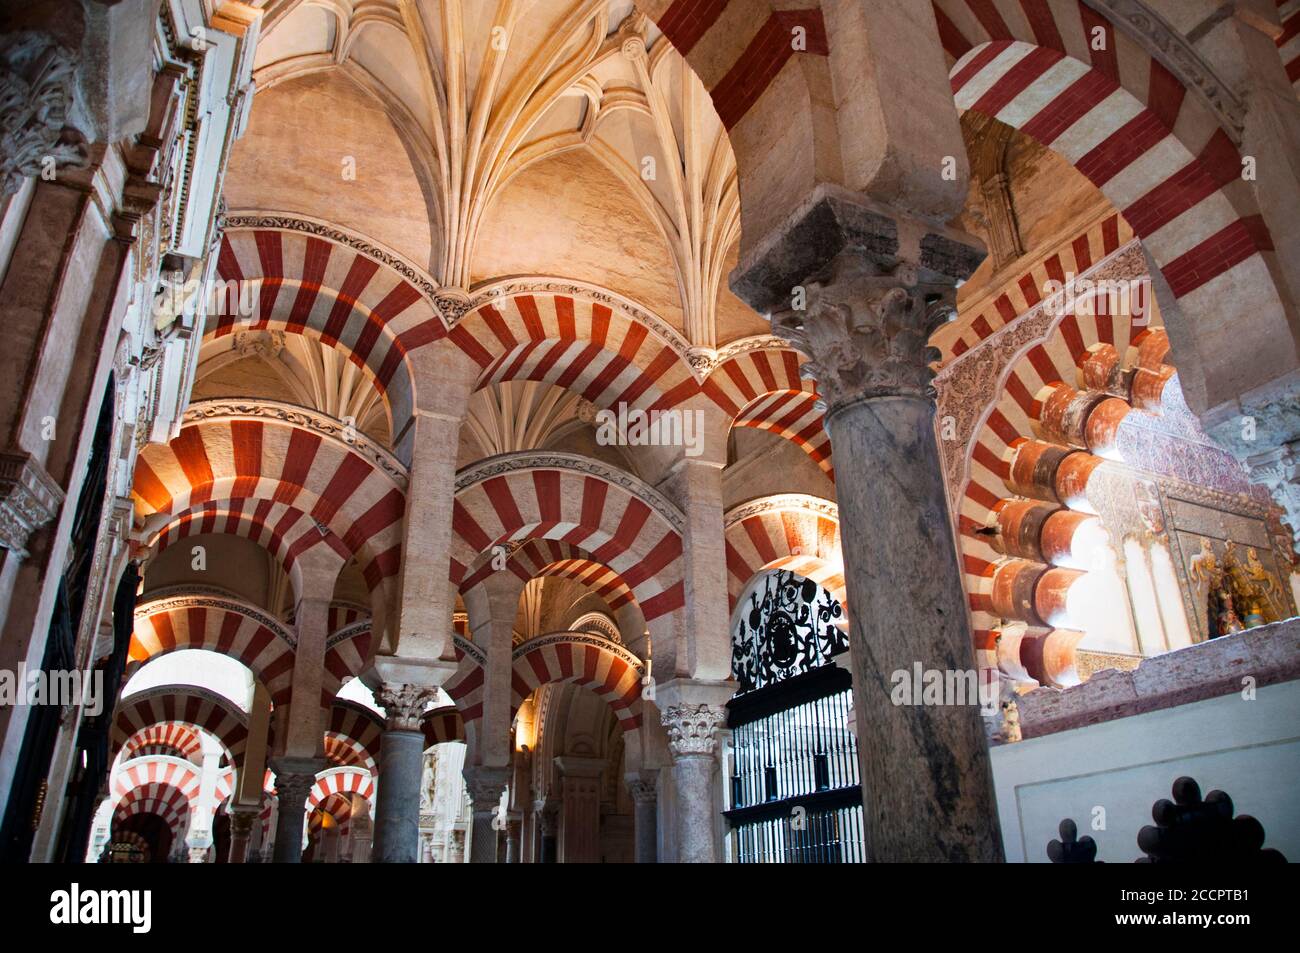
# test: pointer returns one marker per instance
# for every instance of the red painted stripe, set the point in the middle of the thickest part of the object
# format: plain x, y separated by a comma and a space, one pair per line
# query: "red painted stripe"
1223, 250
764, 57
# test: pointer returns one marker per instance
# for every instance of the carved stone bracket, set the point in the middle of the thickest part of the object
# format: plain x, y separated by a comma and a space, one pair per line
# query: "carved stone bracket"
37, 87
691, 729
404, 704
29, 498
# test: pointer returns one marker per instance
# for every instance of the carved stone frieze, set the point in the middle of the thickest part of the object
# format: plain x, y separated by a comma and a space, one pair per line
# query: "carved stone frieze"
778, 502
29, 498
692, 728
404, 704
37, 88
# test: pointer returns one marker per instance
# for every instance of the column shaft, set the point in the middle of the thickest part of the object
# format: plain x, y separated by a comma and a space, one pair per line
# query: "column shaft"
397, 807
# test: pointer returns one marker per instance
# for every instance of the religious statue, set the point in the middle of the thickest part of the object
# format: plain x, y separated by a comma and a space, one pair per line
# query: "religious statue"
1010, 732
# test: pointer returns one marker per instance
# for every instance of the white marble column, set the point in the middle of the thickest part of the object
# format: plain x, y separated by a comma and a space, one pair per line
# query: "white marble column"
401, 767
926, 781
692, 741
485, 786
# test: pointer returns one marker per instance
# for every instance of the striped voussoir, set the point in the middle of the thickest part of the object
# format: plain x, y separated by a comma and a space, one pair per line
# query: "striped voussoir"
347, 652
230, 628
224, 785
284, 531
1029, 289
589, 347
358, 728
1288, 43
308, 284
465, 687
341, 781
337, 806
254, 458
789, 531
167, 787
738, 47
343, 614
1008, 423
609, 670
188, 704
1126, 122
762, 389
607, 519
176, 740
442, 725
345, 752
550, 557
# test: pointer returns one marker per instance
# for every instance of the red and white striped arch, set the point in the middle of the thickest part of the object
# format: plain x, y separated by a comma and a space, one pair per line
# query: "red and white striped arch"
465, 687
354, 728
230, 628
1027, 290
550, 557
347, 298
789, 531
189, 705
343, 781
1124, 121
443, 725
175, 740
555, 496
347, 652
339, 807
166, 787
761, 388
242, 458
342, 614
609, 670
594, 348
1013, 418
1288, 43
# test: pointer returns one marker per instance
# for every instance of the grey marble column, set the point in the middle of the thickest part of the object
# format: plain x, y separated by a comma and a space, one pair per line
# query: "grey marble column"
514, 831
401, 766
927, 785
485, 785
691, 741
242, 820
645, 815
294, 778
548, 815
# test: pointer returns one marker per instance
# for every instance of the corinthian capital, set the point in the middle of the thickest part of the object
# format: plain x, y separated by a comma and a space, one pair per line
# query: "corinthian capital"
691, 728
867, 332
404, 704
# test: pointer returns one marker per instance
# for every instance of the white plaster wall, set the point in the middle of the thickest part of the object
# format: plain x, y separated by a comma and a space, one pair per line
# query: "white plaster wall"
1250, 749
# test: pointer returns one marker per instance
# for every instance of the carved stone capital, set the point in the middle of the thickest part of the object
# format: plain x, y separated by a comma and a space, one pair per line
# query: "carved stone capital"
37, 87
643, 790
29, 498
241, 821
404, 704
691, 728
868, 332
485, 786
294, 778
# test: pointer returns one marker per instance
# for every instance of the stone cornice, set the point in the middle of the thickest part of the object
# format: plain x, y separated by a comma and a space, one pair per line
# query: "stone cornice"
778, 502
244, 408
556, 460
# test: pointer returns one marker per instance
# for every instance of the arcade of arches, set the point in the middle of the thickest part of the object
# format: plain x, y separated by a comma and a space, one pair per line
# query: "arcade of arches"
543, 431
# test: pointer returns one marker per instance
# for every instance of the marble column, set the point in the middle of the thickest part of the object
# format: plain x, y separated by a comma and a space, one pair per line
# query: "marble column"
294, 778
242, 820
926, 780
691, 742
401, 767
548, 815
645, 814
514, 845
485, 786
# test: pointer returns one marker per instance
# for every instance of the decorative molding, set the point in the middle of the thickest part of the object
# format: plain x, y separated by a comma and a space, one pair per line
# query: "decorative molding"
582, 638
469, 649
597, 623
781, 501
691, 729
420, 279
352, 439
29, 498
38, 80
539, 460
170, 603
360, 627
1150, 31
404, 704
